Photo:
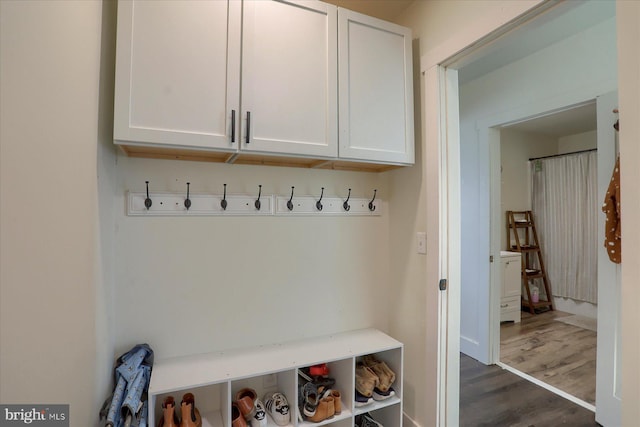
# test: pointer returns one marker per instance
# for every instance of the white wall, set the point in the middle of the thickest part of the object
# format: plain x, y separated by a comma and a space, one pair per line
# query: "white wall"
414, 206
578, 142
106, 157
55, 334
411, 296
516, 148
628, 32
521, 86
192, 285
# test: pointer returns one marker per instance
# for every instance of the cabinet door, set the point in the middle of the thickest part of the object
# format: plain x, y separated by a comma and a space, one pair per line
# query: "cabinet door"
511, 276
289, 77
376, 89
178, 73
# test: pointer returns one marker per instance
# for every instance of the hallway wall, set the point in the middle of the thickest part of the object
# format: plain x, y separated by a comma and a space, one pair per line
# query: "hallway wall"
56, 179
516, 148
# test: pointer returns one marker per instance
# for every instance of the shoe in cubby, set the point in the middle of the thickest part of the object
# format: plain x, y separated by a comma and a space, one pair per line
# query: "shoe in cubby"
245, 398
361, 400
387, 416
277, 407
206, 406
366, 380
190, 414
325, 397
366, 420
385, 375
387, 392
324, 410
380, 395
237, 419
275, 388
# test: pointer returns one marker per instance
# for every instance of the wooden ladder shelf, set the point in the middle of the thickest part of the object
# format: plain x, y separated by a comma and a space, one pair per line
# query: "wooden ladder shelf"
522, 237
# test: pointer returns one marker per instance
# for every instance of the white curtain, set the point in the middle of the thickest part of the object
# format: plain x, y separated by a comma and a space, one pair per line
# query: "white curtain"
565, 209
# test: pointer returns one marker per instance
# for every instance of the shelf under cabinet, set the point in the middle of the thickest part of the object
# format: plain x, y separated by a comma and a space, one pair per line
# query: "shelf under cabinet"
240, 158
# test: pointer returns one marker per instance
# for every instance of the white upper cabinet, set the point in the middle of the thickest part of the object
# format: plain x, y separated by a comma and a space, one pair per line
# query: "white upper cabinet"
178, 73
262, 81
289, 77
376, 89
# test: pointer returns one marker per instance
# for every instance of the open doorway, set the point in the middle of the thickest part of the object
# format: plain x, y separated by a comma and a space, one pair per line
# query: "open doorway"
574, 69
549, 168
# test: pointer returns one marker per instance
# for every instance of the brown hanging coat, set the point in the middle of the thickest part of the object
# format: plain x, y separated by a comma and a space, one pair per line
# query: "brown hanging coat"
611, 207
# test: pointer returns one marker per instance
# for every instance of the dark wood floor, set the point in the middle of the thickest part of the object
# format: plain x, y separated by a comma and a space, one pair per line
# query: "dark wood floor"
491, 396
556, 353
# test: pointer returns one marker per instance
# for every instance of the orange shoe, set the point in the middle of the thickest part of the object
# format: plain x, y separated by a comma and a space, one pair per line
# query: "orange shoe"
169, 417
246, 399
337, 403
237, 420
190, 414
326, 409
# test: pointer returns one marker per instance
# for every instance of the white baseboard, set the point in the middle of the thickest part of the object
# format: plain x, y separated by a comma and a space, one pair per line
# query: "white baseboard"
408, 421
572, 306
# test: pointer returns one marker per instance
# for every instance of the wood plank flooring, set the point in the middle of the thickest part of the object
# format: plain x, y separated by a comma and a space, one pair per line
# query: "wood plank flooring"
559, 354
491, 396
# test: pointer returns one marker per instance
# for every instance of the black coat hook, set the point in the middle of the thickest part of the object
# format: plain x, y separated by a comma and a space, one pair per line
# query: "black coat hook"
223, 202
257, 203
372, 207
187, 202
319, 202
346, 205
290, 202
147, 201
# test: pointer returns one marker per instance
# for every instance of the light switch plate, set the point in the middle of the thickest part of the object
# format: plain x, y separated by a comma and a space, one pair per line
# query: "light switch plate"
421, 242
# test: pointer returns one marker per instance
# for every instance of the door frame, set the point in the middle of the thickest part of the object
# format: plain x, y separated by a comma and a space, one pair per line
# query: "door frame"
489, 136
442, 146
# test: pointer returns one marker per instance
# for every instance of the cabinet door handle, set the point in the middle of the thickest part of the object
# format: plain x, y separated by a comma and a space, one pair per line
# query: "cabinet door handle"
248, 127
233, 126
504, 305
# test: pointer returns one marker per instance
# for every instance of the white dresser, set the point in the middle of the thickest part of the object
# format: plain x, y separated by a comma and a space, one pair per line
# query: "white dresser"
510, 284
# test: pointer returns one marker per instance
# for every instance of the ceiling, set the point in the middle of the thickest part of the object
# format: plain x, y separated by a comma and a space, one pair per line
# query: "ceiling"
568, 19
568, 122
382, 9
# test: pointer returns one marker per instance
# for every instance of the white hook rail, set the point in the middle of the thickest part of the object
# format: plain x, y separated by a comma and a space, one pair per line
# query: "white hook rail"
172, 204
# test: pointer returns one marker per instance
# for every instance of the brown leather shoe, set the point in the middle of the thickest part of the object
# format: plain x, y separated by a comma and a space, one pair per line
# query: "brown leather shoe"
337, 403
237, 420
246, 398
326, 409
190, 414
169, 417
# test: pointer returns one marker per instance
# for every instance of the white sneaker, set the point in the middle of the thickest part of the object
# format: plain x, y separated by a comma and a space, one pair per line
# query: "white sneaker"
278, 408
381, 395
259, 419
